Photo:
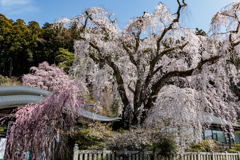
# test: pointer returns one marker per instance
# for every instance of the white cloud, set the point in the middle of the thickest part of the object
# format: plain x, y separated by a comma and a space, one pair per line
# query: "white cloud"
18, 6
6, 3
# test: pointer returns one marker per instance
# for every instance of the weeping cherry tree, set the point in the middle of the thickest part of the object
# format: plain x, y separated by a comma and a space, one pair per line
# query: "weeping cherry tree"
172, 72
38, 126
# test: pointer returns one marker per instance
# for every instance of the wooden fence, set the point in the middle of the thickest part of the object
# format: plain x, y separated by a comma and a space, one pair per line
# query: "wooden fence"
145, 155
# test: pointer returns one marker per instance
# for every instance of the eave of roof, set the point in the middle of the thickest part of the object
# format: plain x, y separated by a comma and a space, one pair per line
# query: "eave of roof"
11, 96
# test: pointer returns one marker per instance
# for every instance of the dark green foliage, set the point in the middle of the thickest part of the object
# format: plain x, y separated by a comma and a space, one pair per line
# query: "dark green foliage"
200, 32
4, 79
235, 148
206, 146
87, 141
166, 147
64, 59
25, 45
197, 147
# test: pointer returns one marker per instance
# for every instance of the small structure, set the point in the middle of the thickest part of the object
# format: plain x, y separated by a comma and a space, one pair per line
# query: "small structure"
216, 133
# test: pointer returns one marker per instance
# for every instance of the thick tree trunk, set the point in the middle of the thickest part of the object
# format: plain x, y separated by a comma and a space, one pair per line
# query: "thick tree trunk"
126, 117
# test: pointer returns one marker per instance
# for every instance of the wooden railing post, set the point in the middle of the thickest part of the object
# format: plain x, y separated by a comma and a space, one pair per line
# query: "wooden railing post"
104, 153
226, 155
198, 155
125, 153
75, 152
144, 154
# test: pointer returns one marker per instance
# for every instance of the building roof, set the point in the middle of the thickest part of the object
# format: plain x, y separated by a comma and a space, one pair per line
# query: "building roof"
21, 90
217, 120
13, 96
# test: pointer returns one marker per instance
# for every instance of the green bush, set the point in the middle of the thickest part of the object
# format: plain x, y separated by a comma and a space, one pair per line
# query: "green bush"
206, 146
197, 147
4, 80
92, 136
235, 148
166, 147
232, 151
86, 141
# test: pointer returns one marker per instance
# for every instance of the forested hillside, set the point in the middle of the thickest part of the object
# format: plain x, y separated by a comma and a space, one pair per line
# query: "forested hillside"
25, 45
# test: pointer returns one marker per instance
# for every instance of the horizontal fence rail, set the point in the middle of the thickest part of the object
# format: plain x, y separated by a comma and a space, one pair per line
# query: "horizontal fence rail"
146, 155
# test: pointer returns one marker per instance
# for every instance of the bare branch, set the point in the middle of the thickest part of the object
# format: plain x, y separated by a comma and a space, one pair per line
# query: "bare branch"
85, 24
88, 14
156, 70
95, 47
101, 26
230, 36
130, 54
164, 52
130, 88
161, 82
94, 58
170, 26
119, 79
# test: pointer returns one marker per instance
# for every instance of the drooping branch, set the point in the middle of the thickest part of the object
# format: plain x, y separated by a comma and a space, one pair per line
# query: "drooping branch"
88, 15
116, 71
167, 51
110, 63
137, 39
95, 47
85, 24
130, 88
100, 25
94, 58
130, 54
162, 81
230, 36
151, 72
171, 25
120, 82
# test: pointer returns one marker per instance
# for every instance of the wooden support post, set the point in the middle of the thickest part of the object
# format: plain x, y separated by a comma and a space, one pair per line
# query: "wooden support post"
75, 152
226, 155
104, 153
198, 155
125, 153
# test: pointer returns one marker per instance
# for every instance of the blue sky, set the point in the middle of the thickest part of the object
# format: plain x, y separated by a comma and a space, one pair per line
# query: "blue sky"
48, 10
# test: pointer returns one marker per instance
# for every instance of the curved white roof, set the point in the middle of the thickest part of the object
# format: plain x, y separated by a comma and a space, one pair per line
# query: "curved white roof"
13, 96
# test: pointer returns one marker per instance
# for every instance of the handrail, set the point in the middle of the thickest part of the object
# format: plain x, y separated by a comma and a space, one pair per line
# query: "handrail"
21, 90
18, 100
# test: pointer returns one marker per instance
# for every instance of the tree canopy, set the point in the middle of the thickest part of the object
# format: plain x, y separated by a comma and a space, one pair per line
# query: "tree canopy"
141, 73
25, 45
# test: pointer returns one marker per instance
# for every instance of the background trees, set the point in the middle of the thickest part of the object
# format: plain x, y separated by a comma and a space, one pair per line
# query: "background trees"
26, 45
47, 77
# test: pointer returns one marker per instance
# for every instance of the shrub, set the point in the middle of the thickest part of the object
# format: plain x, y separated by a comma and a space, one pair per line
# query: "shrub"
197, 147
4, 80
235, 148
91, 136
206, 146
166, 147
